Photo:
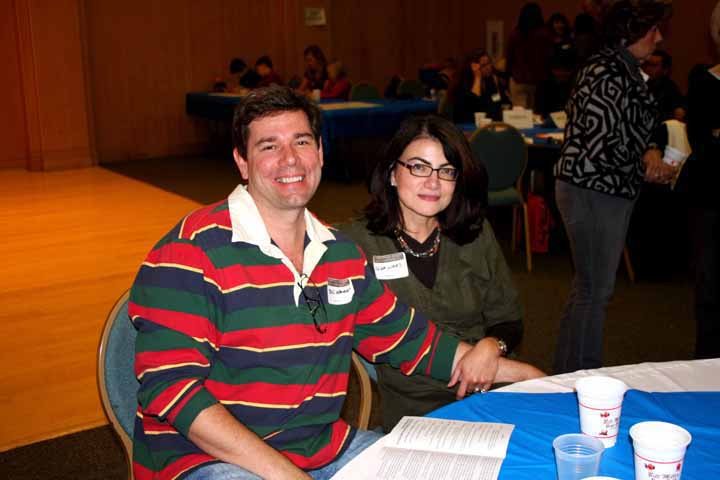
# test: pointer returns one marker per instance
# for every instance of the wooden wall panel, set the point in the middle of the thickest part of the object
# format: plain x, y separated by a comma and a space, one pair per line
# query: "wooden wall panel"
55, 92
13, 129
144, 56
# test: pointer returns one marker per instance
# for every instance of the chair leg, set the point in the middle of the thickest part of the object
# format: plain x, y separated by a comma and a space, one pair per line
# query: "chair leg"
628, 264
528, 249
513, 240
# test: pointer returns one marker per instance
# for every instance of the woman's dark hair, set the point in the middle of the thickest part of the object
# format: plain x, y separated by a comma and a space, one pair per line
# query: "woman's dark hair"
558, 17
585, 24
466, 77
316, 52
264, 60
530, 18
462, 220
237, 65
627, 21
266, 101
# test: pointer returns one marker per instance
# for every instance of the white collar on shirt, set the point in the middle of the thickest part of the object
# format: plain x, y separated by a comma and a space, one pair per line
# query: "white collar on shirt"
248, 227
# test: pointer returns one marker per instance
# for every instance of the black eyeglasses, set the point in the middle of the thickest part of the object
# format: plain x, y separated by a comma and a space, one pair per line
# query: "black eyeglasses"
449, 174
313, 300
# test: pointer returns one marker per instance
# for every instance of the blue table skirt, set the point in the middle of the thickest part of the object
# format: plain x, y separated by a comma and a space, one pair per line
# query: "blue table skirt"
539, 418
382, 120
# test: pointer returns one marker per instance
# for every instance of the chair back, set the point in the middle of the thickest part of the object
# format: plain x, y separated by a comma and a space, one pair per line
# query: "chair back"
502, 149
116, 375
364, 91
410, 89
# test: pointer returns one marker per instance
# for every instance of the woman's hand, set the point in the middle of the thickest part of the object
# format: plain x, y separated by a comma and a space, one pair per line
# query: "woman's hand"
475, 367
657, 171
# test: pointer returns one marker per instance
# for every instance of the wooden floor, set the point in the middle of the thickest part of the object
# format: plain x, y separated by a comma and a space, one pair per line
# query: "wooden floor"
72, 242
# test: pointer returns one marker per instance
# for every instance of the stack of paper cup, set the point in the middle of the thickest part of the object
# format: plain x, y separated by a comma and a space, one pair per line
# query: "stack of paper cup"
673, 156
600, 403
659, 450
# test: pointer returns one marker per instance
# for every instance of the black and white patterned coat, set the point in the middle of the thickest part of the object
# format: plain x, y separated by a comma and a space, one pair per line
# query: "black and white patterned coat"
611, 118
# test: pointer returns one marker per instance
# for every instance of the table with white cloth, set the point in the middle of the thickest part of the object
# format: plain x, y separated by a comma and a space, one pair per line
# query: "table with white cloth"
686, 393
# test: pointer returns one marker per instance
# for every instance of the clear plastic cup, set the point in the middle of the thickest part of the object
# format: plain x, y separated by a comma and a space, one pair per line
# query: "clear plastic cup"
659, 450
600, 404
577, 456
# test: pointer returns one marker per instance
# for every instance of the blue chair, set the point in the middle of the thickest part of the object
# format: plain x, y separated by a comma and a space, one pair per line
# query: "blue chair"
503, 150
116, 378
364, 91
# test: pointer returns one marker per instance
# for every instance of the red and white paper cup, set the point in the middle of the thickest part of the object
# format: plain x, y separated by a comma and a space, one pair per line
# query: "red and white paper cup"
659, 450
600, 404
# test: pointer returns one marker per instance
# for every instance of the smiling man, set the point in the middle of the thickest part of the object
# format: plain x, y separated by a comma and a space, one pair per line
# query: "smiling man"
248, 312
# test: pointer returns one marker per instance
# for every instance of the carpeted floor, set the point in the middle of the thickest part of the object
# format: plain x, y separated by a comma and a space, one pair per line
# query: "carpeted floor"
647, 321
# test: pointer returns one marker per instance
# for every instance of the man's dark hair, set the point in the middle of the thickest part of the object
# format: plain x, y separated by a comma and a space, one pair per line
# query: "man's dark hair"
237, 65
268, 101
264, 60
665, 58
627, 21
462, 220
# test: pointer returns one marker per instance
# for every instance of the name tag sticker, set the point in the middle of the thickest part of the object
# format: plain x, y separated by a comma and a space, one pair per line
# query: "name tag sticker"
495, 97
340, 291
390, 267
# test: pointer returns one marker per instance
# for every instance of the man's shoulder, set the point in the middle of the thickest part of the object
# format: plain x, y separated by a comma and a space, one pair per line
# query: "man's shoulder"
213, 216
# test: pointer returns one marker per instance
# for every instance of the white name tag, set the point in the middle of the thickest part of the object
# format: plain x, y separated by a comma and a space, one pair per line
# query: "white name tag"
390, 267
495, 97
340, 291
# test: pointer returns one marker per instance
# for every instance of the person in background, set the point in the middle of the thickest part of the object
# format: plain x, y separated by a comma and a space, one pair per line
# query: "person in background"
315, 70
528, 57
586, 37
666, 92
268, 76
337, 85
561, 34
479, 89
425, 223
242, 78
704, 172
606, 155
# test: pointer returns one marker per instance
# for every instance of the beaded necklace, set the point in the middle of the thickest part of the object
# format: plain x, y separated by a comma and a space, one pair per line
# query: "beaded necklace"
428, 253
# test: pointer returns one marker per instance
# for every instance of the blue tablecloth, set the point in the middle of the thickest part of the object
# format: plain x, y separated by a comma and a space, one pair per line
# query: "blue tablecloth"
382, 120
528, 132
539, 418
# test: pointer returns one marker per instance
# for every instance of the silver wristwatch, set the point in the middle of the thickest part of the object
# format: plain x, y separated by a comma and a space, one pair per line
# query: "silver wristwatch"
502, 346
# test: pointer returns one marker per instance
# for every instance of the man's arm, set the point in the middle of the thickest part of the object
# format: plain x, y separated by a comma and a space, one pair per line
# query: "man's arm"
171, 304
219, 434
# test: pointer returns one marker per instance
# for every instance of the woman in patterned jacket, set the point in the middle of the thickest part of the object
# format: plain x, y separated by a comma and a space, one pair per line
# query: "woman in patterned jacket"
605, 158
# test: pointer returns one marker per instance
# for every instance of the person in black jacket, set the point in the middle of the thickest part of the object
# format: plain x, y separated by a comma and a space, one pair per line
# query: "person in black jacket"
605, 158
479, 89
704, 170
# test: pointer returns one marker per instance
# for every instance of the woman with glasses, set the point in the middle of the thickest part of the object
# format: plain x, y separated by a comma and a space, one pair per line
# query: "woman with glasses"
425, 235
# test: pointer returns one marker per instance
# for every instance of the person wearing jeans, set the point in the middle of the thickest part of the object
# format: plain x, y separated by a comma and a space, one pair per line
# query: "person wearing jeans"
605, 158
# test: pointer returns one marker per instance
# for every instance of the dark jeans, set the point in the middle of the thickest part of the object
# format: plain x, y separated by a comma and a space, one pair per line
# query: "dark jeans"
596, 225
707, 266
